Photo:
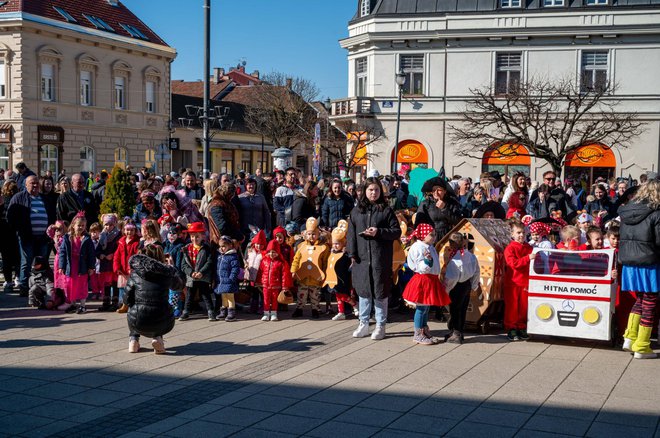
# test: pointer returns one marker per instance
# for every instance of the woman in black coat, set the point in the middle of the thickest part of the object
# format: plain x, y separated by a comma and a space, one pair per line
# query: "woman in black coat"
337, 205
147, 295
441, 206
223, 216
372, 230
601, 203
9, 249
304, 204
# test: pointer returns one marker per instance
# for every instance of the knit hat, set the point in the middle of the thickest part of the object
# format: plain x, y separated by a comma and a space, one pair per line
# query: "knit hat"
196, 227
422, 231
279, 230
260, 238
540, 228
109, 218
273, 245
292, 228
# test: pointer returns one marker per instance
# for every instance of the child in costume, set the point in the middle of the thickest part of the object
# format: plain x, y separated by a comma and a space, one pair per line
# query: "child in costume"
149, 312
77, 261
173, 256
105, 252
424, 288
252, 263
460, 275
517, 256
584, 221
95, 285
280, 235
127, 247
228, 267
338, 272
539, 232
41, 283
275, 276
308, 268
57, 231
198, 266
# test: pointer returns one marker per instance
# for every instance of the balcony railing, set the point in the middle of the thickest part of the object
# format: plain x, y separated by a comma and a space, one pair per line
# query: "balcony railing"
352, 106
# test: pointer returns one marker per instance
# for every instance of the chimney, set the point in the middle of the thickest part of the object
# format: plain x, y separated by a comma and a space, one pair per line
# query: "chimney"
289, 83
241, 68
218, 73
255, 74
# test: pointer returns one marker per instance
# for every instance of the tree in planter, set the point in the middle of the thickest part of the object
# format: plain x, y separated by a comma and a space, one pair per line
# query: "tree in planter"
119, 195
551, 119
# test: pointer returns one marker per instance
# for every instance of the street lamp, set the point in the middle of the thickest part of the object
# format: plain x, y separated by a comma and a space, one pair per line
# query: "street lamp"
327, 104
206, 147
400, 82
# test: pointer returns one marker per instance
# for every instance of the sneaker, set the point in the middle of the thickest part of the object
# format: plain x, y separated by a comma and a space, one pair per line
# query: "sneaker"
651, 355
222, 314
339, 317
159, 345
266, 316
512, 335
356, 312
522, 334
627, 345
273, 317
362, 331
211, 315
184, 316
379, 333
421, 339
81, 310
133, 346
177, 313
455, 338
231, 315
315, 314
297, 313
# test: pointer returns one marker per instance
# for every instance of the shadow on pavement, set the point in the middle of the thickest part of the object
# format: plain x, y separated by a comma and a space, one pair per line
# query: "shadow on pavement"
25, 343
229, 348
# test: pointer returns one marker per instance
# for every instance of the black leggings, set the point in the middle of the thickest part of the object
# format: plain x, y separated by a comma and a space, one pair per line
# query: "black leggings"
460, 300
204, 290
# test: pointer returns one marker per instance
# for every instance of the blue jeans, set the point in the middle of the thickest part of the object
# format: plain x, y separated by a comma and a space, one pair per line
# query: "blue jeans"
421, 316
381, 310
38, 246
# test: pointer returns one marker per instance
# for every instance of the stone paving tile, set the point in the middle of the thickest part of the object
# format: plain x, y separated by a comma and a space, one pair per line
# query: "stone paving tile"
20, 384
132, 385
97, 397
526, 433
96, 379
332, 395
19, 402
573, 404
137, 435
163, 426
314, 409
630, 411
443, 408
22, 423
391, 433
609, 430
368, 417
260, 433
267, 403
423, 424
49, 429
292, 424
388, 402
55, 391
291, 390
566, 426
498, 417
236, 416
203, 428
476, 430
340, 429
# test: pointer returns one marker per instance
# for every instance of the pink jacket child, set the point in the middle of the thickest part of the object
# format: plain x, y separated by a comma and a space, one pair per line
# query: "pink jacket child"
56, 232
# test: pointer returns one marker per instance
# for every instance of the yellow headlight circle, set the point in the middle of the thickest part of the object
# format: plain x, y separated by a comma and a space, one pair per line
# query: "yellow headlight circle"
545, 312
591, 315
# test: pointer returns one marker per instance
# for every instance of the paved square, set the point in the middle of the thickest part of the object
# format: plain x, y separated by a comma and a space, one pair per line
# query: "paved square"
70, 375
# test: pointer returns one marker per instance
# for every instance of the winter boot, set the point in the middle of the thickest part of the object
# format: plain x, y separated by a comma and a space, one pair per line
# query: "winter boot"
123, 309
630, 335
420, 338
231, 315
222, 313
114, 304
105, 305
642, 345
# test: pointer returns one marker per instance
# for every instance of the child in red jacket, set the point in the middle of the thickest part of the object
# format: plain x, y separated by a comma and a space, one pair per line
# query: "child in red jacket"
127, 247
275, 276
517, 256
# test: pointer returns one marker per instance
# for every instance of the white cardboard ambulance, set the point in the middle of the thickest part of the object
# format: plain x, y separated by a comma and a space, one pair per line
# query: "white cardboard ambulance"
571, 294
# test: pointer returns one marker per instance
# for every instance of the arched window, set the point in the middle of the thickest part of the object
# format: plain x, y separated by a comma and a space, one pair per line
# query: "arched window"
150, 159
87, 163
49, 158
121, 157
365, 8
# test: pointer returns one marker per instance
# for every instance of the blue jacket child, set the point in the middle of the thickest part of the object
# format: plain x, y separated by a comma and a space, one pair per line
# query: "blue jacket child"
228, 267
173, 249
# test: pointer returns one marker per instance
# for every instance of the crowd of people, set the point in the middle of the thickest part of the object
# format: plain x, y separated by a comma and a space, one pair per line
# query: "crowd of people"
267, 240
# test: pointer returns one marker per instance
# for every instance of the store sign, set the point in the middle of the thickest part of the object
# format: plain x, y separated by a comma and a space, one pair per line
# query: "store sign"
5, 135
592, 155
51, 136
174, 144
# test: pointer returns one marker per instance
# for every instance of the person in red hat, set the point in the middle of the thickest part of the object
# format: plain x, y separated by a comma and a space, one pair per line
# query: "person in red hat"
197, 264
275, 275
252, 263
424, 288
539, 232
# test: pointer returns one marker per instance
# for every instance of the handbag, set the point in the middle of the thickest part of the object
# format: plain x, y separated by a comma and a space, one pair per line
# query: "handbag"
285, 297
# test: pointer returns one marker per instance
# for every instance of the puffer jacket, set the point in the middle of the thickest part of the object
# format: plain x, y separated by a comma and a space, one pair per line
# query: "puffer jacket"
443, 219
147, 293
336, 209
228, 267
275, 274
203, 264
639, 241
125, 250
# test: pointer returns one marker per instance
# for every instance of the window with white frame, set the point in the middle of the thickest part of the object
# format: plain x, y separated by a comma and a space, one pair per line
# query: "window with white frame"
49, 159
120, 92
365, 8
85, 88
361, 77
413, 68
4, 156
87, 159
121, 157
48, 82
551, 3
3, 79
150, 92
509, 3
594, 70
596, 2
508, 70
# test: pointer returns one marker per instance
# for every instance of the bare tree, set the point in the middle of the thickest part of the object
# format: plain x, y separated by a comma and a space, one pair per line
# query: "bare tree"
550, 119
280, 109
349, 137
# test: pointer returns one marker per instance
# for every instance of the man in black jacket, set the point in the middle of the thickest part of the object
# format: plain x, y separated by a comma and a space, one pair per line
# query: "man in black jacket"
30, 216
75, 200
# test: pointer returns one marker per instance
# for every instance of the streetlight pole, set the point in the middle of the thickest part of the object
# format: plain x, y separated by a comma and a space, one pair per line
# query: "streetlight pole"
400, 82
327, 104
206, 147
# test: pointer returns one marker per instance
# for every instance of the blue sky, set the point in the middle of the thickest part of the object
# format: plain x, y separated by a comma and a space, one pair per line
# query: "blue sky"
298, 37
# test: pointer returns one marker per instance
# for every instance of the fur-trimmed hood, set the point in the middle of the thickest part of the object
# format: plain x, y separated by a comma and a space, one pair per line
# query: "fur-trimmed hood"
151, 269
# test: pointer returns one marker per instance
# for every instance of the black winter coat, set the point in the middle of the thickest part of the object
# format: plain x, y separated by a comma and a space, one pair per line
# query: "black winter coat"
18, 215
147, 293
443, 219
372, 255
204, 263
68, 206
639, 241
301, 210
334, 210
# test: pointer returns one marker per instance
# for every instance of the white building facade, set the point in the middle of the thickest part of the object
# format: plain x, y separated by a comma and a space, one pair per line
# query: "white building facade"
447, 47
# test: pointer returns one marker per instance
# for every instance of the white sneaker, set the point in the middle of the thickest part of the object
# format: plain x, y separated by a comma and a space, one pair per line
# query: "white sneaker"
645, 355
159, 345
627, 345
273, 317
266, 316
356, 312
133, 346
7, 284
379, 333
362, 330
339, 317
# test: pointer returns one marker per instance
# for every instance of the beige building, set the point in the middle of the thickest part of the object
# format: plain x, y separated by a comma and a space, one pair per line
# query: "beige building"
84, 85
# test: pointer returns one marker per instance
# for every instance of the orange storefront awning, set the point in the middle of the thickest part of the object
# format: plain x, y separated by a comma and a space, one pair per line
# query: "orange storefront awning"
591, 155
360, 156
507, 154
412, 151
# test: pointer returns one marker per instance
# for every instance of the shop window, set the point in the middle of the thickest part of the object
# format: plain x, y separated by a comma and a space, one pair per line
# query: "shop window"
121, 157
227, 160
87, 163
49, 159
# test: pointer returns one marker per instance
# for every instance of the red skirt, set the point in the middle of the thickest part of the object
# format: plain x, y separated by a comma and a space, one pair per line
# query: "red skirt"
426, 290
